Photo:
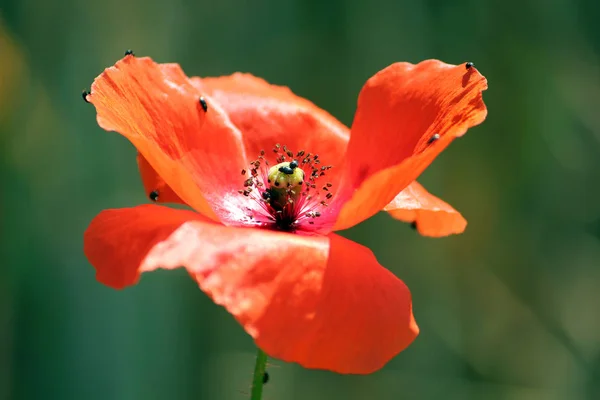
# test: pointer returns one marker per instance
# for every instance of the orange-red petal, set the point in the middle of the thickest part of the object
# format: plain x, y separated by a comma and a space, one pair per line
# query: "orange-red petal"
157, 108
268, 114
407, 114
321, 301
117, 240
432, 216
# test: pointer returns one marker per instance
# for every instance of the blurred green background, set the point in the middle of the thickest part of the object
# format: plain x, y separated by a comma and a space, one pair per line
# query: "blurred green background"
508, 310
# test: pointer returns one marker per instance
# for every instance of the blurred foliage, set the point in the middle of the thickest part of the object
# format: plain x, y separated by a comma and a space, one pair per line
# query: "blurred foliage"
508, 310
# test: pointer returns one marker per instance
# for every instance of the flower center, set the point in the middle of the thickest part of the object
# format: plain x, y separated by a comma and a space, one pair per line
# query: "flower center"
287, 193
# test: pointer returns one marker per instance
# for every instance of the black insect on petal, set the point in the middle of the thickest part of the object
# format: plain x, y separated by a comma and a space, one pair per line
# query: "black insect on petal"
265, 377
129, 52
469, 65
433, 138
413, 225
154, 195
203, 104
85, 94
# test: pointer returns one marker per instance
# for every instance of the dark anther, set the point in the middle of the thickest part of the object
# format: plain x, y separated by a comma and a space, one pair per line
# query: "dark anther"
243, 172
265, 377
154, 195
294, 164
85, 94
433, 138
469, 65
266, 195
129, 53
203, 104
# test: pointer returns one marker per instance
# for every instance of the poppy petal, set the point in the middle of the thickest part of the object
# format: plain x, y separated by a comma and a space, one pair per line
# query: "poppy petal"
269, 114
432, 216
407, 114
321, 301
198, 153
266, 114
117, 240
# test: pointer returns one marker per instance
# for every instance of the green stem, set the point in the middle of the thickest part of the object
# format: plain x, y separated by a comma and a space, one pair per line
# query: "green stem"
259, 373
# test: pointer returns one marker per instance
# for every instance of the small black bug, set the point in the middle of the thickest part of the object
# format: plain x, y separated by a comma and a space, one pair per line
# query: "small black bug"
203, 104
286, 170
129, 52
469, 65
85, 94
265, 377
433, 138
294, 164
154, 195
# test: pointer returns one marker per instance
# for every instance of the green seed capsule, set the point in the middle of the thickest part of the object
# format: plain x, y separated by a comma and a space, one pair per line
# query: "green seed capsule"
286, 182
284, 176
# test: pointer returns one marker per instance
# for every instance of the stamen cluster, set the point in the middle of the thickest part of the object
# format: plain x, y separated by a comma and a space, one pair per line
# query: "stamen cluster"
288, 193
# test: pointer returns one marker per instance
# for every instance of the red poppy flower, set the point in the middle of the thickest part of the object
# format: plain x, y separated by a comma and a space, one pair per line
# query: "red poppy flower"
270, 177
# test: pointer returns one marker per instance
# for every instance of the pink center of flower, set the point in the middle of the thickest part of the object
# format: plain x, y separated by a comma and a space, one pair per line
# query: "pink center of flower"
289, 195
